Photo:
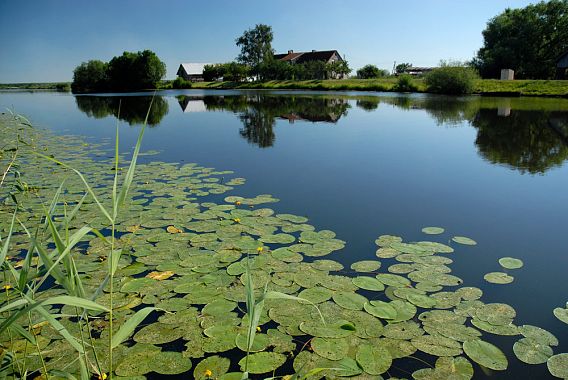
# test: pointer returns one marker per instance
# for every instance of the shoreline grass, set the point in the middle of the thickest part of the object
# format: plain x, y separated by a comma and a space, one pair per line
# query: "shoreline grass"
487, 87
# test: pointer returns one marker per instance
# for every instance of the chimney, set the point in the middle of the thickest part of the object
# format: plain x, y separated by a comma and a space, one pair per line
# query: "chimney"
290, 51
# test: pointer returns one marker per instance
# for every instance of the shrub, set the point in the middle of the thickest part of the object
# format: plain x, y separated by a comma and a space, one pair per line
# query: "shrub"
405, 84
371, 71
454, 80
180, 83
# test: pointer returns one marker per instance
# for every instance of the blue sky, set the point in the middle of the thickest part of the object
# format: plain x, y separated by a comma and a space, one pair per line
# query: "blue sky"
44, 40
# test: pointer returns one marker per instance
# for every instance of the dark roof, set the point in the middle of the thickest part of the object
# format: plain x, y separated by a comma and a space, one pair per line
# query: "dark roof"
561, 56
301, 57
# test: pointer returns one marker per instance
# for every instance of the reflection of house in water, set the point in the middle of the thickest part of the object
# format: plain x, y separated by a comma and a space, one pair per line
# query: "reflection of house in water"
191, 103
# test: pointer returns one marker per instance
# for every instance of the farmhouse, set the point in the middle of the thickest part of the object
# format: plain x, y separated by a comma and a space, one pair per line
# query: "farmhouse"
192, 71
327, 56
562, 66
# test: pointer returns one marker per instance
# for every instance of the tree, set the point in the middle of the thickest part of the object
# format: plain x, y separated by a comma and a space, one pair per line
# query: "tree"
402, 67
213, 72
370, 71
256, 45
337, 70
90, 76
135, 71
527, 40
451, 78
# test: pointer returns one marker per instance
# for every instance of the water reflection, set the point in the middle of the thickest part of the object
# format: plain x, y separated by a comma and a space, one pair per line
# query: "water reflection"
133, 109
529, 135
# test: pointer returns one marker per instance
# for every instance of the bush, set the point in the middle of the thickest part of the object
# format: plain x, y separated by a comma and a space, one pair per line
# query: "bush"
371, 71
453, 80
405, 84
63, 87
180, 83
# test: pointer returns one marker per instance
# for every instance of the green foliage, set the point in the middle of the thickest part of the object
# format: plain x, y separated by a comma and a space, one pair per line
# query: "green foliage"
130, 71
63, 87
402, 67
90, 76
256, 45
371, 71
214, 72
527, 40
236, 72
405, 84
454, 80
179, 82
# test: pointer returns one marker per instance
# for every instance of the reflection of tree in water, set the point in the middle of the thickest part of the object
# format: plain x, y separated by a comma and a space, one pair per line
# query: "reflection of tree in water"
523, 140
133, 109
258, 112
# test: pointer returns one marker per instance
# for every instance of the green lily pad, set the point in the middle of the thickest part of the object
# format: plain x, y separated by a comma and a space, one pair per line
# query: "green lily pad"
329, 330
561, 314
158, 333
169, 363
486, 354
498, 278
558, 365
403, 330
469, 293
327, 265
437, 345
317, 294
393, 280
380, 309
464, 240
458, 368
349, 300
259, 343
539, 334
366, 266
509, 329
433, 230
510, 263
330, 348
368, 283
531, 351
262, 362
216, 365
374, 359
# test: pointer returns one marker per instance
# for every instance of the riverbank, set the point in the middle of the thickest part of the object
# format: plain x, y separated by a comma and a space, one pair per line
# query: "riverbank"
492, 87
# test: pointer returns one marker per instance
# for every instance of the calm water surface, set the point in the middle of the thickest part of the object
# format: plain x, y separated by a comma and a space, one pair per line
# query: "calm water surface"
363, 165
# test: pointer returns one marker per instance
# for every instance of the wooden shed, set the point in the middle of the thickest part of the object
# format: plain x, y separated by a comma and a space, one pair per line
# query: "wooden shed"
562, 66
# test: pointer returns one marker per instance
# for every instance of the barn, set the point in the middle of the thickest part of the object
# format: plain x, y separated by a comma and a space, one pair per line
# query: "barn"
562, 66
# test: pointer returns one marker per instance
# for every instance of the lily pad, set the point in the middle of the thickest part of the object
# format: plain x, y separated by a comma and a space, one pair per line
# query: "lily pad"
349, 300
539, 334
374, 359
437, 345
561, 314
464, 240
510, 263
366, 266
368, 283
433, 230
169, 363
212, 367
531, 351
262, 362
317, 294
458, 368
558, 365
329, 330
330, 348
486, 354
380, 309
498, 278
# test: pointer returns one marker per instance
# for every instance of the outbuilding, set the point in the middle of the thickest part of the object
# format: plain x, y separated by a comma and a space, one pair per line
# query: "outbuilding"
192, 71
562, 66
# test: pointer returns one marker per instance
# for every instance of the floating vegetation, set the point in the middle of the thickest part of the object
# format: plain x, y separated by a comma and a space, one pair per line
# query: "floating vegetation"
561, 313
190, 290
510, 263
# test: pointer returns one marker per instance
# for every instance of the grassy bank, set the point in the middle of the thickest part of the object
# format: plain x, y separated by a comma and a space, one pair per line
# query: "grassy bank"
482, 86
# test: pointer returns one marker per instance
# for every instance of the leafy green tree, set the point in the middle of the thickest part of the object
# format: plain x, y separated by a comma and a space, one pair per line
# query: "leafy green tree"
256, 45
368, 72
90, 76
402, 67
135, 71
527, 40
213, 72
337, 70
236, 72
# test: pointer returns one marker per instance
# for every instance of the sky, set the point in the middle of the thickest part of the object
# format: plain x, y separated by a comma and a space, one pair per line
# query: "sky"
44, 40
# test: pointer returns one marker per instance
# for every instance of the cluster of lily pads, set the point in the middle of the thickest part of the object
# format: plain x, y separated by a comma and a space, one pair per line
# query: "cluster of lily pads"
188, 252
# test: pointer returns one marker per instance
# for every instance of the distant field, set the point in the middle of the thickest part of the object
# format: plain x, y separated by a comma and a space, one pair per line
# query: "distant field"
60, 86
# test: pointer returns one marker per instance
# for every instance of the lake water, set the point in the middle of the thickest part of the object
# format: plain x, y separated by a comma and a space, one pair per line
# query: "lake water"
367, 164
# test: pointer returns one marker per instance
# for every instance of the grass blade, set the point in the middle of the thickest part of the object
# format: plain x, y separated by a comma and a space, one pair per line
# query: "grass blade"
128, 328
4, 251
75, 301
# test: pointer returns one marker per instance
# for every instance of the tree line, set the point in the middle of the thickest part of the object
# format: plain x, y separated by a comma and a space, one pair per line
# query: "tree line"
127, 72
